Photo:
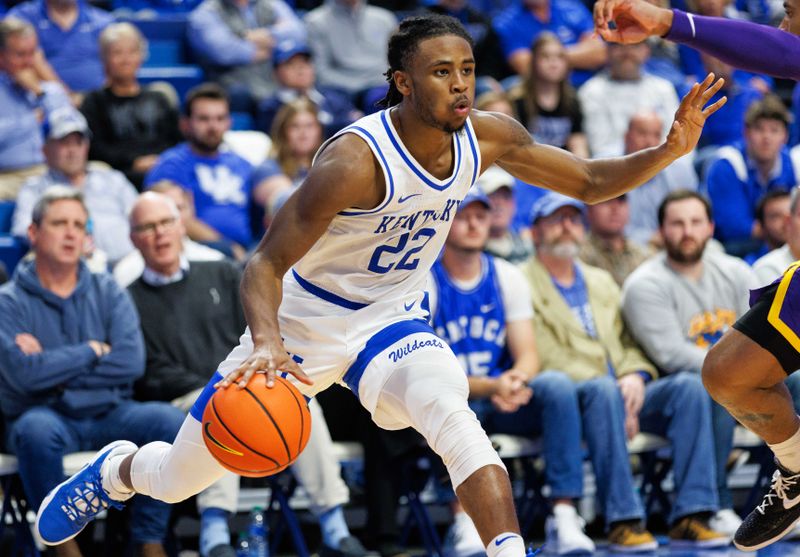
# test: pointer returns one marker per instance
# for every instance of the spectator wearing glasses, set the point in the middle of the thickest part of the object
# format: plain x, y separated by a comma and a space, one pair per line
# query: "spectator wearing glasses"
131, 266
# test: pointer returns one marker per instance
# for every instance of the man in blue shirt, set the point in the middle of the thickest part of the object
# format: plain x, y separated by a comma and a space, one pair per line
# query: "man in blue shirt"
522, 22
218, 179
27, 94
70, 351
68, 31
741, 175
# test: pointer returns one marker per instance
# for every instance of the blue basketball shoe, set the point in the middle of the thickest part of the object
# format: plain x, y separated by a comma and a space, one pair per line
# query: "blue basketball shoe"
72, 504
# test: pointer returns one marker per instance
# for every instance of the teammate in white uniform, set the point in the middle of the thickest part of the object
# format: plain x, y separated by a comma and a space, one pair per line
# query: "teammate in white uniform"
334, 292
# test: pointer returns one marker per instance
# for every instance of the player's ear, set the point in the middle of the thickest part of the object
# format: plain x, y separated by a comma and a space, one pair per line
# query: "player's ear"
403, 82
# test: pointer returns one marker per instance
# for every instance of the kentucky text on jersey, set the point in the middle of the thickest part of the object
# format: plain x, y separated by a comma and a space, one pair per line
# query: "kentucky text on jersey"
409, 221
473, 321
385, 252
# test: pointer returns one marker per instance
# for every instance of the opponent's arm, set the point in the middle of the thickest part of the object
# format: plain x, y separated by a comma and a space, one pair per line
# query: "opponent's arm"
742, 44
344, 176
508, 143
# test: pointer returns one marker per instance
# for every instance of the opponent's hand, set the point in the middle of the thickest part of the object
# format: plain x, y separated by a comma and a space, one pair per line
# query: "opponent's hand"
634, 20
269, 358
692, 114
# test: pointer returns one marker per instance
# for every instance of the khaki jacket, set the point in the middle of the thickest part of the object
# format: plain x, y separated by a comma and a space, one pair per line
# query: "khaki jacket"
562, 342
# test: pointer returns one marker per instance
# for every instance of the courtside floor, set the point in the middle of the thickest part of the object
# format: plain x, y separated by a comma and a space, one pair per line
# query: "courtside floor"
780, 549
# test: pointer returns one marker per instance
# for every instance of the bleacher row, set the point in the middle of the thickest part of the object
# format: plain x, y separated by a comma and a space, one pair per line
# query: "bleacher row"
282, 498
169, 60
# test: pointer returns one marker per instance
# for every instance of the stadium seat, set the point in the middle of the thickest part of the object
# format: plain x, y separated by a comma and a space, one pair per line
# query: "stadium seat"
14, 509
182, 78
11, 251
242, 121
166, 52
6, 212
166, 27
253, 146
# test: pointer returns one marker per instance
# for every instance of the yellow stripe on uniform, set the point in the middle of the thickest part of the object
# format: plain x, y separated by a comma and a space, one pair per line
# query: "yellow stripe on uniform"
774, 316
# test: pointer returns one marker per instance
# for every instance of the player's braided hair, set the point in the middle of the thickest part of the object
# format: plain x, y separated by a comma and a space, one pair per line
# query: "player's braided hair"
404, 41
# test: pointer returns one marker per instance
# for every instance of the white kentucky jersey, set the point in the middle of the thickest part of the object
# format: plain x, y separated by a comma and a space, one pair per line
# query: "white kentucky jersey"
386, 252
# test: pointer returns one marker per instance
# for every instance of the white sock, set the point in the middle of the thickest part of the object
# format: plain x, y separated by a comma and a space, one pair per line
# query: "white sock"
788, 452
510, 545
112, 482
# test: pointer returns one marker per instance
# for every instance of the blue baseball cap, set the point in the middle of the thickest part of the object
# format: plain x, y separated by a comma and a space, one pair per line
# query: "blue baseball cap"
287, 48
474, 194
551, 202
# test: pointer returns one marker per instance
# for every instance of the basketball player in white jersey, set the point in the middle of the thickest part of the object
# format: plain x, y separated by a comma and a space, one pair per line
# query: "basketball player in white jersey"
334, 292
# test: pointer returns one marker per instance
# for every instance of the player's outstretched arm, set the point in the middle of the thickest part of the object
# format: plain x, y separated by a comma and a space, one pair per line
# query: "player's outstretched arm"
742, 44
633, 20
343, 176
505, 141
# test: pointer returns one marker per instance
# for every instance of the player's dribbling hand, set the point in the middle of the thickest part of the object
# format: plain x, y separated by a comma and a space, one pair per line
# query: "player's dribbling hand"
268, 359
634, 20
692, 114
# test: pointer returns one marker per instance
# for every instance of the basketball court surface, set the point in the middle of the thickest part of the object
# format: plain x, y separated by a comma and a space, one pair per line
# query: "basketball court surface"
780, 549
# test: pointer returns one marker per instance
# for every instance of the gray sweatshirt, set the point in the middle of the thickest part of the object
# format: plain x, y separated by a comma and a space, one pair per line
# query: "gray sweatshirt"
676, 319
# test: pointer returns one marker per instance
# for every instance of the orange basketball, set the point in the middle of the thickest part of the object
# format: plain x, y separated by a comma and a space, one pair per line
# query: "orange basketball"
257, 431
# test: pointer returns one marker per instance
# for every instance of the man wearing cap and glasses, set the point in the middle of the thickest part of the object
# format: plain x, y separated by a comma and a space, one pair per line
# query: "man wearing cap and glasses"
580, 331
108, 194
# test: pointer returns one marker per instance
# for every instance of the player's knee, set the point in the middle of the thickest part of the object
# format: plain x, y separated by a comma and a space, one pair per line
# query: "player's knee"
716, 373
464, 446
147, 477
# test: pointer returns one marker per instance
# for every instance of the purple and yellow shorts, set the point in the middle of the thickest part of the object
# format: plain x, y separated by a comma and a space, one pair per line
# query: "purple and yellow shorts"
773, 320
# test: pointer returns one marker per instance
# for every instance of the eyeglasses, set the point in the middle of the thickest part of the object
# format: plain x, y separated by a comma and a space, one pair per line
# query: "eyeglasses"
149, 228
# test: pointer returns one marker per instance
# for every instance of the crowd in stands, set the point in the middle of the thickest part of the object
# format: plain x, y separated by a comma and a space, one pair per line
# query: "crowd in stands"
136, 198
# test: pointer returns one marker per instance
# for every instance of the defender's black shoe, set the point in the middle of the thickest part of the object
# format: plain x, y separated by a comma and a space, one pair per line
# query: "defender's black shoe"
775, 516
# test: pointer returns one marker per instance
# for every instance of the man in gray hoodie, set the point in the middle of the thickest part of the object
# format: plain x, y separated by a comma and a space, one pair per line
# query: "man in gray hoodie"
680, 302
70, 350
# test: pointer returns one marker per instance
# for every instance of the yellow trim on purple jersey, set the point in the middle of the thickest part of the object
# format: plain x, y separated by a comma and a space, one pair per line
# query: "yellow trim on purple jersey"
774, 316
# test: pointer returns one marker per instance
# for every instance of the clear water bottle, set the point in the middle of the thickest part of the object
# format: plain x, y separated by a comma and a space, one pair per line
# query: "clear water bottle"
243, 545
258, 534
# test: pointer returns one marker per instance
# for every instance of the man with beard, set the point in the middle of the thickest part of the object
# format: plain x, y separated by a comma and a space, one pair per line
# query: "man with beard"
219, 180
580, 332
679, 303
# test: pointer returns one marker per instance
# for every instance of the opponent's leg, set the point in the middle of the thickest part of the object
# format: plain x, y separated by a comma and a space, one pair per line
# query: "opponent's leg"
428, 391
748, 380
